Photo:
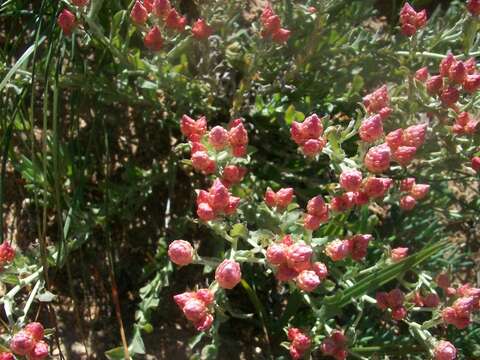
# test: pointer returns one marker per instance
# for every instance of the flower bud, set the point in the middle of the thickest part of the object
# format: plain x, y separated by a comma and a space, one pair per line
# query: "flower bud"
201, 30
382, 300
67, 22
377, 100
7, 253
317, 206
218, 138
161, 8
471, 66
385, 112
202, 162
233, 174
399, 254
394, 139
6, 356
422, 74
281, 35
299, 256
307, 280
395, 298
371, 129
139, 14
434, 85
238, 135
431, 300
410, 20
443, 280
343, 202
407, 184
320, 269
312, 222
449, 96
193, 129
358, 245
205, 212
205, 295
473, 7
404, 154
471, 83
285, 273
39, 352
374, 187
407, 202
351, 180
153, 40
232, 206
228, 274
301, 341
444, 350
399, 313
174, 21
297, 133
204, 323
36, 330
218, 196
377, 158
419, 191
313, 147
181, 299
312, 127
194, 309
361, 198
414, 135
277, 254
446, 64
80, 3
337, 250
284, 197
457, 72
475, 163
22, 343
180, 252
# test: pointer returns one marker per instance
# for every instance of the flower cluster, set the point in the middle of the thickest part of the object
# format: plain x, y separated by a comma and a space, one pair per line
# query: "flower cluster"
355, 247
335, 345
411, 21
392, 300
430, 300
459, 313
7, 254
317, 213
294, 262
278, 200
272, 26
300, 342
414, 192
29, 342
378, 102
216, 202
308, 135
196, 306
465, 124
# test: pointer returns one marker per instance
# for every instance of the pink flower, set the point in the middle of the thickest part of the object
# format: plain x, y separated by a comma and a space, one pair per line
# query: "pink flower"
434, 85
297, 133
343, 202
457, 72
471, 83
281, 35
377, 100
228, 274
407, 184
233, 174
384, 113
201, 30
139, 14
205, 212
193, 129
6, 356
312, 222
431, 300
443, 280
148, 5
174, 21
161, 8
153, 40
36, 330
399, 313
335, 345
308, 280
320, 269
181, 299
449, 96
67, 22
280, 199
277, 254
218, 196
419, 191
204, 323
218, 138
452, 317
316, 206
338, 250
375, 187
444, 350
285, 273
7, 253
22, 343
312, 127
414, 135
358, 245
202, 162
394, 139
238, 135
39, 352
407, 202
371, 129
313, 147
422, 74
300, 342
473, 7
404, 154
361, 198
377, 158
194, 309
351, 180
446, 64
475, 163
399, 254
180, 252
299, 256
471, 66
205, 295
410, 20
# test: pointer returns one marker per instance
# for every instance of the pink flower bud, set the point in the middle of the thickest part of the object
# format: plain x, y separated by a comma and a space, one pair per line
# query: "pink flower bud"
295, 353
394, 139
201, 30
67, 22
399, 254
464, 306
361, 198
377, 100
471, 83
375, 187
301, 341
180, 252
238, 135
139, 14
285, 273
337, 250
148, 5
239, 151
475, 163
343, 202
297, 133
316, 206
161, 8
371, 129
7, 253
153, 40
272, 23
281, 35
377, 158
313, 147
36, 330
407, 202
181, 299
293, 332
204, 323
443, 280
233, 174
328, 346
196, 146
410, 20
299, 256
399, 313
312, 127
287, 240
444, 350
351, 180
382, 300
312, 222
270, 198
419, 191
232, 206
284, 197
457, 72
358, 245
446, 63
307, 280
414, 135
6, 356
205, 295
39, 352
395, 298
422, 74
473, 7
407, 184
471, 66
193, 129
194, 309
431, 300
320, 269
434, 85
22, 343
202, 162
218, 138
449, 96
174, 21
384, 113
218, 196
228, 274
277, 254
404, 154
205, 212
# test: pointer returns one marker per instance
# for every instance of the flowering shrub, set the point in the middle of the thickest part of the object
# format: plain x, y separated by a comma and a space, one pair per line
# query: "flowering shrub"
279, 178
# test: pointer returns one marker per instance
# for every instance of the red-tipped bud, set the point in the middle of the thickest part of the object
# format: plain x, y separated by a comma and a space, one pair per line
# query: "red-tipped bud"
153, 40
351, 180
228, 274
67, 22
371, 129
201, 30
407, 202
139, 14
377, 158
